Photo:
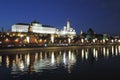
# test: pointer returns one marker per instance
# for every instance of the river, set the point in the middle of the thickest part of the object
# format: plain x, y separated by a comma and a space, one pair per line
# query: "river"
102, 62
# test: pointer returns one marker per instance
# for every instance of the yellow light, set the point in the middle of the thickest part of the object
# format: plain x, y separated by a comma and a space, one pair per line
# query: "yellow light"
0, 59
40, 40
7, 61
21, 35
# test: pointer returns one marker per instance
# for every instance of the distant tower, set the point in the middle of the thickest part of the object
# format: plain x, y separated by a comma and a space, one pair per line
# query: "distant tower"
68, 24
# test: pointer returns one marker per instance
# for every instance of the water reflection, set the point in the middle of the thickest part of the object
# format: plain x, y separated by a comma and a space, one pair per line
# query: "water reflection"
47, 60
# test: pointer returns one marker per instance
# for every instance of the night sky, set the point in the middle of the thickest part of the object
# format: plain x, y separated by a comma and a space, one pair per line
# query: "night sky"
100, 15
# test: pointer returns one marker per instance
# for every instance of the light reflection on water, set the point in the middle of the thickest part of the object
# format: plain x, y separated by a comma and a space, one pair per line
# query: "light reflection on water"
47, 60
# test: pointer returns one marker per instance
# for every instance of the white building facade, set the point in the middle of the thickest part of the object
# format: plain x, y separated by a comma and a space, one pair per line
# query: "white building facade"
44, 29
68, 30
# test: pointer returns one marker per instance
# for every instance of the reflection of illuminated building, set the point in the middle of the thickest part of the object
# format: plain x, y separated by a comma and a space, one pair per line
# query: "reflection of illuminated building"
39, 61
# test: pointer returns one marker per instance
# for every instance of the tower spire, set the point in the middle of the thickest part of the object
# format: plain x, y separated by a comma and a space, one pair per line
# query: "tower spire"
68, 24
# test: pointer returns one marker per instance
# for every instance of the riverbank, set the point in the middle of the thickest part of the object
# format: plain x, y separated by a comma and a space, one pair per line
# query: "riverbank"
50, 48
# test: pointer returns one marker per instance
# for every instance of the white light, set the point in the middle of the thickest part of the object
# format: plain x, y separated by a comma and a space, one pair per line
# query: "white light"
104, 51
82, 40
28, 59
52, 38
82, 55
69, 40
103, 40
28, 39
116, 51
86, 54
112, 50
119, 40
119, 49
64, 58
21, 35
112, 40
52, 58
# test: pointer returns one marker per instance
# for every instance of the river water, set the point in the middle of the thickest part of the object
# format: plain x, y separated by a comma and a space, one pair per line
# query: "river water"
71, 64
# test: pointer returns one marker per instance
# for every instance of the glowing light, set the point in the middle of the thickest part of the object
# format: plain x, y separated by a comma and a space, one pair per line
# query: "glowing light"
94, 40
0, 60
82, 55
21, 65
28, 60
116, 51
107, 52
28, 39
119, 40
103, 40
7, 40
112, 40
52, 58
94, 52
36, 56
96, 55
7, 61
69, 54
82, 40
112, 50
16, 40
86, 54
40, 40
64, 58
21, 35
69, 40
73, 57
104, 51
52, 38
119, 49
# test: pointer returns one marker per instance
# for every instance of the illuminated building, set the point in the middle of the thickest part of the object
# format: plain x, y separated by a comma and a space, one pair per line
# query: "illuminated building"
68, 30
36, 27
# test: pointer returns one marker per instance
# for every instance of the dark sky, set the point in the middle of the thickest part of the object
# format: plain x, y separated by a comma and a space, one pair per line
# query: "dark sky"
100, 15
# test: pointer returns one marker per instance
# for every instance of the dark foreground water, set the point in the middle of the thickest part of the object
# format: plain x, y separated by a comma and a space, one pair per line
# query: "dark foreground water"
91, 63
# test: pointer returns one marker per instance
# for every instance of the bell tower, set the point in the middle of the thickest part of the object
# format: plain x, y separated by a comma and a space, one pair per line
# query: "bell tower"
68, 24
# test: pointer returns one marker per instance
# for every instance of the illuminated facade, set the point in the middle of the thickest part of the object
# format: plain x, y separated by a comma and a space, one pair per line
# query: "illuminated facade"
36, 27
68, 30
